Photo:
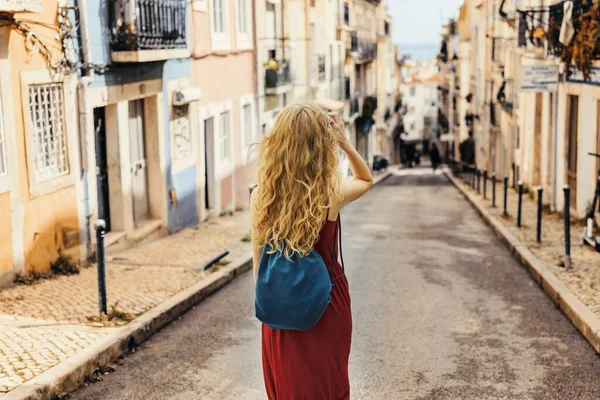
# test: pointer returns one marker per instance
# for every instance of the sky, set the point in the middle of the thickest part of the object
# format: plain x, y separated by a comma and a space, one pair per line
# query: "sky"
417, 24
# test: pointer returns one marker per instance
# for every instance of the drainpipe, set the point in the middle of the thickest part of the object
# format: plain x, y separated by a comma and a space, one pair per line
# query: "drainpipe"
256, 73
88, 156
554, 106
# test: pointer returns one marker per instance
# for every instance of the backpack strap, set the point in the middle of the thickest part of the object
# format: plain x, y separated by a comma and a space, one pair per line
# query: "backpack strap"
337, 235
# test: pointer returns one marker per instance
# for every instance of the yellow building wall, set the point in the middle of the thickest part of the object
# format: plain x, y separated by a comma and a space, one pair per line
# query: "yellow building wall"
6, 251
49, 220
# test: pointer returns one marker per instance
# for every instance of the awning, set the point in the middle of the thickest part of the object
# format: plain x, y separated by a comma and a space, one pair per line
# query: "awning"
329, 104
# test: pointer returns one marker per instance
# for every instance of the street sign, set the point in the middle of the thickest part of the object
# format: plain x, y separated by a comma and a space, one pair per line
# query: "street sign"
539, 78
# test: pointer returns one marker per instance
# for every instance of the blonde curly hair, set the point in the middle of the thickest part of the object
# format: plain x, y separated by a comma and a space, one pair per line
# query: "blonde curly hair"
298, 180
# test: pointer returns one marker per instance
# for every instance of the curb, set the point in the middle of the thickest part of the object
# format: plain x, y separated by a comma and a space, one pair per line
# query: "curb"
384, 176
70, 374
579, 314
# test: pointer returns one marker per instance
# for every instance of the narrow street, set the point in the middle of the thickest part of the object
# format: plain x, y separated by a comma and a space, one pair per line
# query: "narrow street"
441, 311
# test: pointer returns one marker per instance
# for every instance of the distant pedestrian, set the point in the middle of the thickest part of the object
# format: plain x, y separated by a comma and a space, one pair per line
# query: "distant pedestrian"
434, 155
467, 150
295, 212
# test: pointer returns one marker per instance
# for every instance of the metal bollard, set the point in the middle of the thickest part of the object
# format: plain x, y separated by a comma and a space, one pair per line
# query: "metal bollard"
485, 178
540, 191
478, 181
505, 195
473, 176
494, 189
567, 214
519, 211
100, 226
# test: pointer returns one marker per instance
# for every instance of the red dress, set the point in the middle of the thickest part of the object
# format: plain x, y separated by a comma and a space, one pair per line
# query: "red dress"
313, 364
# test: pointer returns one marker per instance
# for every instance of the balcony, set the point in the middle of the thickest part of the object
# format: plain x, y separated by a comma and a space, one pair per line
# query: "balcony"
533, 24
367, 51
278, 81
17, 6
148, 30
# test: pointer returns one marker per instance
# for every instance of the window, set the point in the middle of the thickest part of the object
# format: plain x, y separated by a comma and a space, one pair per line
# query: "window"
243, 24
217, 15
219, 29
247, 121
225, 137
242, 16
49, 137
182, 133
413, 91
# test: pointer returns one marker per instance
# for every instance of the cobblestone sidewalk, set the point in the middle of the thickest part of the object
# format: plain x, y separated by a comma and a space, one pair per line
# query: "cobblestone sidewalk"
44, 324
584, 278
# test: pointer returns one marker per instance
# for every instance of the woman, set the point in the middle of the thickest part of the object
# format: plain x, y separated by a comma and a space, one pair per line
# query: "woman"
296, 202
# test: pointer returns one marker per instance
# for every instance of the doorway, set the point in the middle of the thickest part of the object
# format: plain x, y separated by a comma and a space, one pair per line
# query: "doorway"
139, 170
572, 127
102, 166
209, 163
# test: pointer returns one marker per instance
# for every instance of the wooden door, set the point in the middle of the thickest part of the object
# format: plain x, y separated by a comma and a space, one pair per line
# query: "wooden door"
572, 128
137, 150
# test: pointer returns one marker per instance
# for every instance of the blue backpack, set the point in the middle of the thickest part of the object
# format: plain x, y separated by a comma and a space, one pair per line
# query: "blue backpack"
294, 293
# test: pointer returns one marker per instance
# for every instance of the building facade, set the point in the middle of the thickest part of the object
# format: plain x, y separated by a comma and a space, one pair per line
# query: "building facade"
40, 183
537, 134
224, 64
107, 114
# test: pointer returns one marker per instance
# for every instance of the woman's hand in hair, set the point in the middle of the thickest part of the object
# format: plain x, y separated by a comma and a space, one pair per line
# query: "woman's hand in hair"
337, 126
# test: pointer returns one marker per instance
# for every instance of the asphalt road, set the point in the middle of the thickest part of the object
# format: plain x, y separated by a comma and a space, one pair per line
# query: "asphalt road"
441, 311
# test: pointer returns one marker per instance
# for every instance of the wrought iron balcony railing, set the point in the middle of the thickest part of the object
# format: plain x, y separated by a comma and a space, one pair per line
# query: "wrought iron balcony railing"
555, 19
533, 24
367, 50
139, 25
278, 80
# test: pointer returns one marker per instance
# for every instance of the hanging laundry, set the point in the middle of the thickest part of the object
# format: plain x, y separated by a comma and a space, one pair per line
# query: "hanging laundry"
567, 31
